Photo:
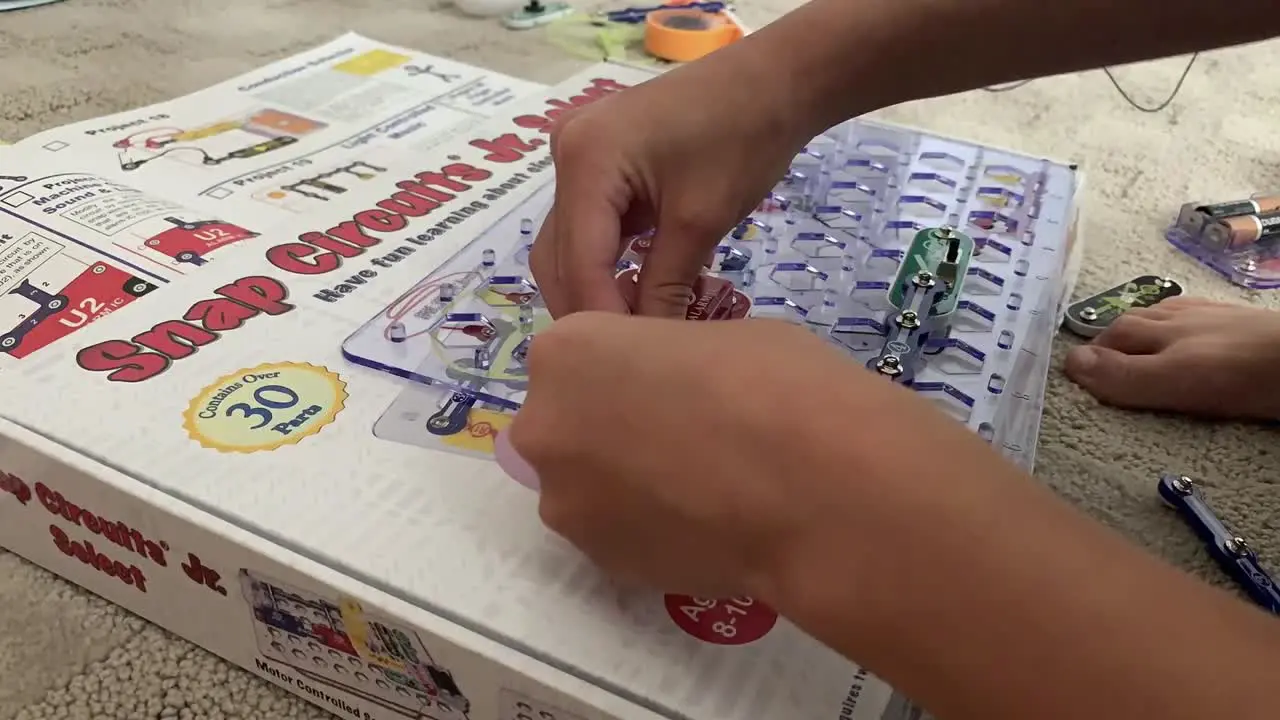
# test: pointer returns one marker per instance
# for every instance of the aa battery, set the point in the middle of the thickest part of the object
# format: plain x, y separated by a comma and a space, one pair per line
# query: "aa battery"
1194, 217
1240, 231
1253, 206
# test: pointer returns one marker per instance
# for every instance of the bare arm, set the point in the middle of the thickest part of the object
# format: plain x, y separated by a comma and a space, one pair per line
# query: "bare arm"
976, 591
997, 599
841, 58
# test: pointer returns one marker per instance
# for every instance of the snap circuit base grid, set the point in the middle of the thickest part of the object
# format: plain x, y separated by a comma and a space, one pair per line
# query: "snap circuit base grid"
852, 243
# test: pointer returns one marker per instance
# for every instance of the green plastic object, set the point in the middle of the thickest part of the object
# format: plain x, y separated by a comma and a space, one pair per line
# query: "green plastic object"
537, 13
589, 38
942, 252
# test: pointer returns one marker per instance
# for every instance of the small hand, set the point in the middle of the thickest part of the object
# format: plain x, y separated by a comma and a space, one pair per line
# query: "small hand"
695, 457
1187, 355
687, 154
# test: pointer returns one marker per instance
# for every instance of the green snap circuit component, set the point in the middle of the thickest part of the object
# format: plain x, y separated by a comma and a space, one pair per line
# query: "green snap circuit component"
942, 253
1090, 316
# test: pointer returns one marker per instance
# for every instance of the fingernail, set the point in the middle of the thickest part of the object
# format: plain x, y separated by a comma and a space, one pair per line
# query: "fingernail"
512, 464
1082, 359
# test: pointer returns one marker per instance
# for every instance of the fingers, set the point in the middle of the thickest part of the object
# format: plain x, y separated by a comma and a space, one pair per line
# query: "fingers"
541, 441
588, 237
527, 443
542, 257
1187, 301
1155, 312
670, 269
513, 463
1125, 366
546, 274
1122, 380
1136, 333
555, 358
589, 203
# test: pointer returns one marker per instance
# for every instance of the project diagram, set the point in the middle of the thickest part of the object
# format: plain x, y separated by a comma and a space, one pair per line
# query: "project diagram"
299, 195
338, 643
55, 294
239, 138
189, 242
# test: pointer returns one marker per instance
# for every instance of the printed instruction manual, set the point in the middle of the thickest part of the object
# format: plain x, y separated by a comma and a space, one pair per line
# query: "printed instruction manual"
97, 214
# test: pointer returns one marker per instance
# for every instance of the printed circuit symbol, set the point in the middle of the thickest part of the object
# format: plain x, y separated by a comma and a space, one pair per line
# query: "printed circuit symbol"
415, 71
316, 186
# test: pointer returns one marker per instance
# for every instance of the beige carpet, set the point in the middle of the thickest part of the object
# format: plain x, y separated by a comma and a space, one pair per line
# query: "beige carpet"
66, 654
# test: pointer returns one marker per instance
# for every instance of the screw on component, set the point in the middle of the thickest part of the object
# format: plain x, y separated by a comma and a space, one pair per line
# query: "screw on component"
1229, 550
889, 365
735, 260
1166, 282
923, 280
1237, 546
946, 232
521, 352
908, 319
1089, 314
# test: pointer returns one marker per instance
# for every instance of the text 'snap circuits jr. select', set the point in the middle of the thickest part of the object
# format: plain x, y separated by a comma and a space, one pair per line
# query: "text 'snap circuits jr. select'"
935, 263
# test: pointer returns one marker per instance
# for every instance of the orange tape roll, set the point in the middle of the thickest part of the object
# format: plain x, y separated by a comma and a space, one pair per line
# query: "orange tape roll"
686, 35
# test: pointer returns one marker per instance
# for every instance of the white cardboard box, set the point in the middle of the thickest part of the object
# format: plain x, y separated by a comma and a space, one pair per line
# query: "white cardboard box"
405, 582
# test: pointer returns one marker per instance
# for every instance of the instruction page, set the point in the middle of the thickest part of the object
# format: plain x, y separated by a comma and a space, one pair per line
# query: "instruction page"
96, 214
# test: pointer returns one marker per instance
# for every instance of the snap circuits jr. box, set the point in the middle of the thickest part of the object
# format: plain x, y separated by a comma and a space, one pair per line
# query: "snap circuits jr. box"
219, 464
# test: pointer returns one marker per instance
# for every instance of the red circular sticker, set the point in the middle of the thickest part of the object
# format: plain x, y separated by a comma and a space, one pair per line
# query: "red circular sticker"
734, 621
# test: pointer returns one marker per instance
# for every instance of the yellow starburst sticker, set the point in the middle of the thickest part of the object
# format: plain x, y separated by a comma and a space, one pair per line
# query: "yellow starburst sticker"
265, 407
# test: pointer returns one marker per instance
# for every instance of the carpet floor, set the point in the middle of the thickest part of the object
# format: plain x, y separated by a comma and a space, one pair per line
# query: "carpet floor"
67, 654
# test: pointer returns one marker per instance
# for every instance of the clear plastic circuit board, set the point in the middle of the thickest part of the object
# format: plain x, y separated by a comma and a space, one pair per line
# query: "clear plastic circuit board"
933, 262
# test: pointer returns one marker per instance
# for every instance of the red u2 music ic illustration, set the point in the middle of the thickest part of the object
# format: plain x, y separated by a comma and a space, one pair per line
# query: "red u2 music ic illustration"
188, 242
58, 296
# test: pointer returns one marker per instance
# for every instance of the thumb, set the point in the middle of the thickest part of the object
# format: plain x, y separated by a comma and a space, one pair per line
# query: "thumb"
513, 463
671, 268
1115, 378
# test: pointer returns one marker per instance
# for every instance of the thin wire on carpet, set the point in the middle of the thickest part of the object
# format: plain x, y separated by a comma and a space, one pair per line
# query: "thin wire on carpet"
1119, 88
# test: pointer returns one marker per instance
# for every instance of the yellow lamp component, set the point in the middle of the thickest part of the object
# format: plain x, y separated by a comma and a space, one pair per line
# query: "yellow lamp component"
207, 131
